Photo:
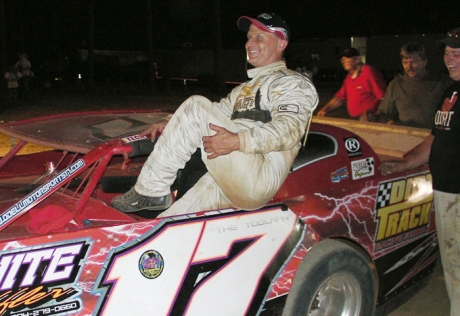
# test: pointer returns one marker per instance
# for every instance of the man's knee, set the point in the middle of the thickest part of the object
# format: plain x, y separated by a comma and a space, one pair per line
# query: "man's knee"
197, 101
251, 198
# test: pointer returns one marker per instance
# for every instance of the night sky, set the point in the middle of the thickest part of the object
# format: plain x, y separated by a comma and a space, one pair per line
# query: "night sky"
46, 28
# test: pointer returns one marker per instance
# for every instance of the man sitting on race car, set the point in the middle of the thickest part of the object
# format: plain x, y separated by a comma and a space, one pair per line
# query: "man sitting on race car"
248, 140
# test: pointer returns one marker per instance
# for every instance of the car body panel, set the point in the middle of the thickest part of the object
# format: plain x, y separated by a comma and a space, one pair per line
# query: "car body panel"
218, 260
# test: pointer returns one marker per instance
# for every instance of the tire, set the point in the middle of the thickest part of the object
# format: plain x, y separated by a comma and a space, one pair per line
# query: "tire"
333, 279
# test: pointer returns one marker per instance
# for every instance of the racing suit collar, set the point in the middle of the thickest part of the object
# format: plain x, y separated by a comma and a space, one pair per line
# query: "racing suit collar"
255, 72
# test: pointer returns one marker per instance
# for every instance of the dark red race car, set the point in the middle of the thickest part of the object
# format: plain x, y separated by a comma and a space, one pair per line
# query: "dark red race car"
337, 239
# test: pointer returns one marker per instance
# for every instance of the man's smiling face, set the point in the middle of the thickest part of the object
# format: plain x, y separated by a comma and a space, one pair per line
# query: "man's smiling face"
452, 61
263, 48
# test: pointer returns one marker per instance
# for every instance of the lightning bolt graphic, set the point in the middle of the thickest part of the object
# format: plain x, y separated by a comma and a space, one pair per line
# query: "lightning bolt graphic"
427, 247
111, 238
284, 281
354, 211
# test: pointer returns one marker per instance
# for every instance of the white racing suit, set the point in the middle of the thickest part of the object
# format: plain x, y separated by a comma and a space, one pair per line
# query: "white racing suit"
247, 178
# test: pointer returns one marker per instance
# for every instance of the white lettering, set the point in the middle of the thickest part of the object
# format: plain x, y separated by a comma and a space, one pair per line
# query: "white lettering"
11, 276
61, 265
39, 192
4, 265
443, 118
34, 258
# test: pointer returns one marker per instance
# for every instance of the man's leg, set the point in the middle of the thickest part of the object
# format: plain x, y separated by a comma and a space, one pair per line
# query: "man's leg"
249, 183
447, 208
180, 139
26, 88
204, 195
247, 180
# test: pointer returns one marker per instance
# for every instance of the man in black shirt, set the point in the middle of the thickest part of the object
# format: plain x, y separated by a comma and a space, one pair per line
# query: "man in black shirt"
441, 149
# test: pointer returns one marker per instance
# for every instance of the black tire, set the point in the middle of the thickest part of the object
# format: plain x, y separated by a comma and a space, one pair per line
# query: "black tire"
334, 279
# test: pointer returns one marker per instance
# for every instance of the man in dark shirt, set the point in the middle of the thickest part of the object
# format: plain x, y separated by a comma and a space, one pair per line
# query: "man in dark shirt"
441, 149
411, 98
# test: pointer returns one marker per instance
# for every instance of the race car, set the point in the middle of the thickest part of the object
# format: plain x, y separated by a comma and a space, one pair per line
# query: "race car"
337, 239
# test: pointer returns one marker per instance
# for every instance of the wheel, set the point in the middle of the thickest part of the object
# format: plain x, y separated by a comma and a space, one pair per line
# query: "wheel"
334, 279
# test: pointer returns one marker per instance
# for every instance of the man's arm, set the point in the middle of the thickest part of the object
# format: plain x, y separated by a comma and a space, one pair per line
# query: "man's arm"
156, 129
418, 156
383, 118
387, 108
333, 104
378, 84
377, 88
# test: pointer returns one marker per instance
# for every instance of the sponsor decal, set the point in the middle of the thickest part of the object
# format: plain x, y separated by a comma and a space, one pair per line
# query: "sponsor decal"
443, 117
362, 168
59, 309
353, 147
339, 174
40, 281
39, 193
244, 104
403, 209
288, 108
151, 264
133, 138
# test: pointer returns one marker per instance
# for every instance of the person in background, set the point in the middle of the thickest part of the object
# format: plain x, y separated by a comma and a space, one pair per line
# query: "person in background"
411, 98
306, 72
362, 89
248, 140
441, 149
24, 66
12, 76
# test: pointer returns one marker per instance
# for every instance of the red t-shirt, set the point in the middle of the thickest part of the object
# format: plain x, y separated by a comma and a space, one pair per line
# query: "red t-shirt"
364, 92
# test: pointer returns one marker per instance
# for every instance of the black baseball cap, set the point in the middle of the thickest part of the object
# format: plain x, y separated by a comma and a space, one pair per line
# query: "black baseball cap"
350, 52
452, 39
267, 22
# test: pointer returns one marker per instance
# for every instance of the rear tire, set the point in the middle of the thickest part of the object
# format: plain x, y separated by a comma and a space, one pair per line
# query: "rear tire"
334, 279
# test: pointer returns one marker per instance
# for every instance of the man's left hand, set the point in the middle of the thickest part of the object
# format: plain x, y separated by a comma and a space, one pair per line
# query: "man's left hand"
221, 143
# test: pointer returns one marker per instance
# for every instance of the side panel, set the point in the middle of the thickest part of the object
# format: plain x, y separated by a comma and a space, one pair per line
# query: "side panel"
225, 261
391, 219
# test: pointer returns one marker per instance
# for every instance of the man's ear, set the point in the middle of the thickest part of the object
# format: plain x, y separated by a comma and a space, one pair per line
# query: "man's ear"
282, 44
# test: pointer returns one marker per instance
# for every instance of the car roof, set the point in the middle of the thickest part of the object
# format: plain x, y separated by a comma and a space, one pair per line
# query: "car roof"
81, 132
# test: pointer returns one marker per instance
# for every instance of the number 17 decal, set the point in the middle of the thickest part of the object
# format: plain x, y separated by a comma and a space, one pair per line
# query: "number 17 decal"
217, 264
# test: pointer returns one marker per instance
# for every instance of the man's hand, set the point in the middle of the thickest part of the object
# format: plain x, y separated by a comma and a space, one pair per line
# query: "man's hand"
416, 157
222, 143
390, 167
322, 112
368, 117
333, 104
155, 129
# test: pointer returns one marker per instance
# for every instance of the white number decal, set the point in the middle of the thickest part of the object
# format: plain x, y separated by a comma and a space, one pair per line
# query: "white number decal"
209, 265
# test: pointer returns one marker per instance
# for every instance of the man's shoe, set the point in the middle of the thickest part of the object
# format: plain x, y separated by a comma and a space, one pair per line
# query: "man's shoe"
132, 201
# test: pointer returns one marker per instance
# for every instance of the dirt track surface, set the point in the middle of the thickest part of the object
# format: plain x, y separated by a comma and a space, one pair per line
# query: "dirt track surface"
75, 99
53, 102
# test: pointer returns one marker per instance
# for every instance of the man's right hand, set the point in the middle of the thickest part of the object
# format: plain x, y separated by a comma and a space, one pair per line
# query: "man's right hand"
155, 129
389, 167
321, 113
